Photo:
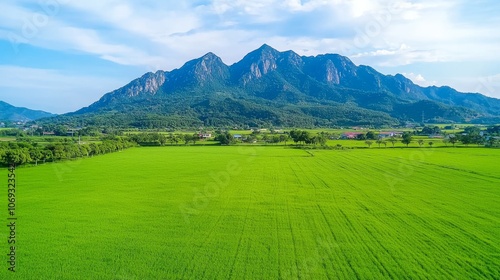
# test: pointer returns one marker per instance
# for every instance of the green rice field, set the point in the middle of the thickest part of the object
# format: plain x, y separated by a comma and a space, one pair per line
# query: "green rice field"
260, 213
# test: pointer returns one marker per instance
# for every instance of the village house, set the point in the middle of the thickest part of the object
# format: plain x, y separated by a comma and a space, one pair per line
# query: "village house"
350, 135
205, 136
383, 135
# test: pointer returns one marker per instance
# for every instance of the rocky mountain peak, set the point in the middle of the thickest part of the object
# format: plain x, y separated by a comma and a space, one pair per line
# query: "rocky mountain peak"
148, 84
267, 75
198, 72
291, 58
257, 64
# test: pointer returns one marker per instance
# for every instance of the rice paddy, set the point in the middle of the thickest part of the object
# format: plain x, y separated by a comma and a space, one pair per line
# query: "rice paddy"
261, 213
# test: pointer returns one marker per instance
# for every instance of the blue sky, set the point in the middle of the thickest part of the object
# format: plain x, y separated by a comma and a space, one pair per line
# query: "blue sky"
61, 55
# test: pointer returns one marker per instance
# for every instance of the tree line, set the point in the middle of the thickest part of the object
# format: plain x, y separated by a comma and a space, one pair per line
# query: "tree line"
160, 139
21, 152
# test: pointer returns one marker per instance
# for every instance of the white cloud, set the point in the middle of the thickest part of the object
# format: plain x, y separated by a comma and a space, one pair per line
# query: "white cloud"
298, 6
130, 31
362, 7
145, 20
148, 33
401, 49
487, 85
419, 79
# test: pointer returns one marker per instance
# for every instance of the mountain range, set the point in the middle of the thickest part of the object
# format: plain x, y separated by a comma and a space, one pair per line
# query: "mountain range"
269, 87
12, 113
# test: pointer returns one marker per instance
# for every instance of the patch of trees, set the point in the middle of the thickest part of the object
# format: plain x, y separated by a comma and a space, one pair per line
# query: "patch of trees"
305, 137
159, 139
21, 153
494, 130
474, 135
407, 138
266, 138
471, 135
12, 132
370, 135
430, 130
225, 138
492, 143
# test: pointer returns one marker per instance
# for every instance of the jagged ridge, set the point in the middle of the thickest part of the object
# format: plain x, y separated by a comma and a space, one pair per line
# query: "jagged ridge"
286, 83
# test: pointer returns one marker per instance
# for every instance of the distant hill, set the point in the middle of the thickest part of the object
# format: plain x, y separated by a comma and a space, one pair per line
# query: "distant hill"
282, 89
11, 113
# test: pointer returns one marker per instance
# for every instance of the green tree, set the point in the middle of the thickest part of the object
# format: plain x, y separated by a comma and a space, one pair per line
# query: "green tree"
493, 130
393, 141
380, 142
46, 155
2, 153
194, 138
299, 136
187, 138
370, 135
265, 138
361, 137
225, 138
250, 138
94, 149
305, 137
162, 139
171, 138
407, 138
465, 139
36, 154
472, 135
284, 138
478, 139
322, 138
295, 135
472, 130
420, 142
58, 151
311, 140
452, 139
61, 130
177, 138
368, 143
85, 149
275, 139
16, 156
446, 141
492, 142
430, 130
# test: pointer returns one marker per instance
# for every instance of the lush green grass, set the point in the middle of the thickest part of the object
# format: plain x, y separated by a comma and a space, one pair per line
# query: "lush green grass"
362, 143
7, 138
261, 213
